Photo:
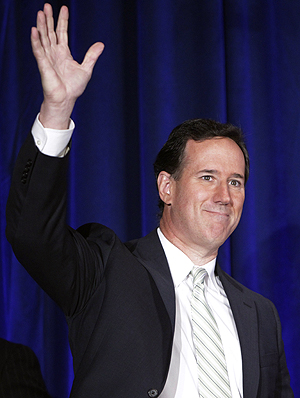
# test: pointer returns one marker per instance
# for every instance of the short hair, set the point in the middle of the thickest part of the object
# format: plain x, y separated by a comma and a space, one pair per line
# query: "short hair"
170, 157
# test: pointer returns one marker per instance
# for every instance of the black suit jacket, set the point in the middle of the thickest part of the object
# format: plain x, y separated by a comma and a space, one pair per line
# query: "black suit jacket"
20, 372
118, 298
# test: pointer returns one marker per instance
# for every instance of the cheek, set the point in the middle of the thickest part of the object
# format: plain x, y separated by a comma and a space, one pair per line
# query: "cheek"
189, 196
191, 200
183, 205
238, 205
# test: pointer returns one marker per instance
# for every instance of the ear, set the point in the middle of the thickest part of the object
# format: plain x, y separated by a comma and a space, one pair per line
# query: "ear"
164, 185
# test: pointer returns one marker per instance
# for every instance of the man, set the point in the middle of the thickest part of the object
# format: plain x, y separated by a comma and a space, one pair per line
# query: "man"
20, 372
119, 299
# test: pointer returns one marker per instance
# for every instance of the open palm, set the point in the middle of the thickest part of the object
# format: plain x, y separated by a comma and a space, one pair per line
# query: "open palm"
63, 79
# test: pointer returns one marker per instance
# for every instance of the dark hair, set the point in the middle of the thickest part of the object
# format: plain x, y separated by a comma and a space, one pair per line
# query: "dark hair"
170, 157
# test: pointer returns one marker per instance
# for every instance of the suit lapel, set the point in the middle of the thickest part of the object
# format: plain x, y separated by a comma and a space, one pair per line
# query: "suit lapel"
151, 255
245, 316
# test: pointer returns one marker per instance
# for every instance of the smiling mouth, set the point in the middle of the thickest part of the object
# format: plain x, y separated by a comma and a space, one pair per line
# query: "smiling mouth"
217, 213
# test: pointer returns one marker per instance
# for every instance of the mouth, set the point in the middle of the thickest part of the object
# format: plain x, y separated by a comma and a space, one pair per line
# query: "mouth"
217, 213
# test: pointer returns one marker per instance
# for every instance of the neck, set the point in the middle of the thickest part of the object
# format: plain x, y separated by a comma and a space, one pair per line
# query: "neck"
197, 254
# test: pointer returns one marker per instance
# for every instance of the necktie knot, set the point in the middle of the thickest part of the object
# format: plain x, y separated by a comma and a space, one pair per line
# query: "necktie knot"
198, 274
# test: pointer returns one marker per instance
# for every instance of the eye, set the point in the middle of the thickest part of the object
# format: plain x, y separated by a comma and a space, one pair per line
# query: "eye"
235, 183
207, 178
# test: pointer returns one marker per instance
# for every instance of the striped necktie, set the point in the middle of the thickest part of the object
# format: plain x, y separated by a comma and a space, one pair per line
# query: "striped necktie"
212, 371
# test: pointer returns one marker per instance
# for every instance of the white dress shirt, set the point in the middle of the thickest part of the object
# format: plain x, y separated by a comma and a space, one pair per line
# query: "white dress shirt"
182, 381
182, 378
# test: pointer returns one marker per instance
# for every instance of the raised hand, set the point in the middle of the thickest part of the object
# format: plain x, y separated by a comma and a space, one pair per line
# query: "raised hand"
63, 79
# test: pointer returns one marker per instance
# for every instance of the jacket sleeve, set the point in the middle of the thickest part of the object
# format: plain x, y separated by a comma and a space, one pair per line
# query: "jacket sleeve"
64, 263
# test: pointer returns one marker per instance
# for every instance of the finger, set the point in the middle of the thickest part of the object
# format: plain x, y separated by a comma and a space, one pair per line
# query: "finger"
39, 53
36, 45
48, 12
62, 26
38, 49
35, 42
42, 29
91, 56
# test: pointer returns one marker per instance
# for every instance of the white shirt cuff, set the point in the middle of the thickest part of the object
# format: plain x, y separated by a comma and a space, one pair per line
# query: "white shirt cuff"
52, 142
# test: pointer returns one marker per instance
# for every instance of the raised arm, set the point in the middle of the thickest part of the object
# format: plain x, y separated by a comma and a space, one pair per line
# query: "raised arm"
63, 79
57, 257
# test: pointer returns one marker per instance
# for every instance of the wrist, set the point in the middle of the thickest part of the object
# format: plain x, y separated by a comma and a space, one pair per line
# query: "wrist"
56, 116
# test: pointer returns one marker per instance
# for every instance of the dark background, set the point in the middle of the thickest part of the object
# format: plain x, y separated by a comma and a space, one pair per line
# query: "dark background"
165, 61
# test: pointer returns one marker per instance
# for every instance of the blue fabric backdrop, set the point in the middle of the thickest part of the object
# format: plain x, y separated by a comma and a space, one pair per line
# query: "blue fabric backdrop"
164, 62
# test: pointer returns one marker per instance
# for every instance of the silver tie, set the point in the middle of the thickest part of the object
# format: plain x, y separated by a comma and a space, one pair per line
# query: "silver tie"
212, 370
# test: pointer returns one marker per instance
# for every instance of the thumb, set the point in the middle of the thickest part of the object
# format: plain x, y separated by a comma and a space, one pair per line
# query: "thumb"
91, 56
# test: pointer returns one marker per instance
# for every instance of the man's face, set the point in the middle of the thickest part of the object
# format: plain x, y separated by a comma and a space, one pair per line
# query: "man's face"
205, 204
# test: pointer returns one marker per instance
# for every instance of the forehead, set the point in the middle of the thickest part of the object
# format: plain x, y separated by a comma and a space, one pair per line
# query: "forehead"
213, 153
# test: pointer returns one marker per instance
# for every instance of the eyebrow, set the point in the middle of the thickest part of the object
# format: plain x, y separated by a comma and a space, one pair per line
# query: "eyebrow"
237, 175
208, 171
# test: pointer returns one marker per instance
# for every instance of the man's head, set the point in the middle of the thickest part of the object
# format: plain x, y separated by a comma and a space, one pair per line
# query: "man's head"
201, 173
171, 157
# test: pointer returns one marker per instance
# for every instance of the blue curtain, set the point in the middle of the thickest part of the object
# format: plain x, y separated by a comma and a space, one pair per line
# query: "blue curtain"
164, 62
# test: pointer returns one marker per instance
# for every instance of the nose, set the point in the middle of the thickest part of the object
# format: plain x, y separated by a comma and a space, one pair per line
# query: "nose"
222, 194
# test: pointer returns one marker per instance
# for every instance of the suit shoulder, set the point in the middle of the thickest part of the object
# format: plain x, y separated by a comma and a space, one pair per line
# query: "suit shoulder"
247, 291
